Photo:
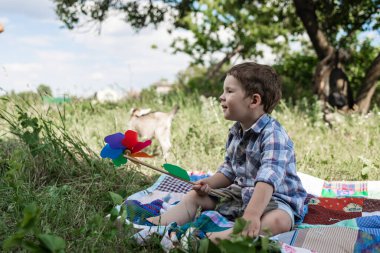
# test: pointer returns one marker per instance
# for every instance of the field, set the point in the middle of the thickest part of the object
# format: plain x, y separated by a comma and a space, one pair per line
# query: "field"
53, 182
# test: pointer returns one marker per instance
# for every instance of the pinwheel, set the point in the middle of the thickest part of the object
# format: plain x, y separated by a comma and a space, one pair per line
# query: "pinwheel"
119, 144
123, 147
177, 172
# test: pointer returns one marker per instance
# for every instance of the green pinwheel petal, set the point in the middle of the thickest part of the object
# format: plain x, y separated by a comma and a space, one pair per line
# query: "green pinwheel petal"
176, 171
120, 161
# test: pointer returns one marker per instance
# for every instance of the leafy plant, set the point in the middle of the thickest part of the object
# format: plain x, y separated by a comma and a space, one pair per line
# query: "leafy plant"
237, 243
29, 237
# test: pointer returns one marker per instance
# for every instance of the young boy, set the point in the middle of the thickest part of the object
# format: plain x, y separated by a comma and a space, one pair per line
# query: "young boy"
259, 170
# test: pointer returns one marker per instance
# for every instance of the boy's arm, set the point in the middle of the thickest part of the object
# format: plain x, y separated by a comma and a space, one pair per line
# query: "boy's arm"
256, 206
218, 180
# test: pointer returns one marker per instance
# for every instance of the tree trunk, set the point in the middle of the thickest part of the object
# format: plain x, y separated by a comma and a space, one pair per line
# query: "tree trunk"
368, 88
306, 12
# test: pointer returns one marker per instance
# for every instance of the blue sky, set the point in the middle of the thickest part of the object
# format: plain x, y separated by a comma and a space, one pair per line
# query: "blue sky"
36, 49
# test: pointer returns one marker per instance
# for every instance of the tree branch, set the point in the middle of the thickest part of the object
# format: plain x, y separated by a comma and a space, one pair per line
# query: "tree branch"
213, 70
306, 12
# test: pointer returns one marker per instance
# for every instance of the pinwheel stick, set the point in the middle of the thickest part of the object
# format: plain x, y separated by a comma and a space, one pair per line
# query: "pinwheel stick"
213, 192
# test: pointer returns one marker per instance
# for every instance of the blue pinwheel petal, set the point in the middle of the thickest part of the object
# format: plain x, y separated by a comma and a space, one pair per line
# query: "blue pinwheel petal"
114, 140
108, 152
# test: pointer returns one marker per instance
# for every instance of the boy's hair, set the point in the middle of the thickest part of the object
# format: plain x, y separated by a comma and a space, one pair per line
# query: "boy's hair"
261, 79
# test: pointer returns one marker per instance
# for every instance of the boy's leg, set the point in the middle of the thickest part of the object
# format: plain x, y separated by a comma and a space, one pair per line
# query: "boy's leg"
276, 222
185, 210
220, 235
272, 223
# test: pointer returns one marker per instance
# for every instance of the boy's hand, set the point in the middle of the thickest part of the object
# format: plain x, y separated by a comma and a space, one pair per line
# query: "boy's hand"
253, 227
202, 188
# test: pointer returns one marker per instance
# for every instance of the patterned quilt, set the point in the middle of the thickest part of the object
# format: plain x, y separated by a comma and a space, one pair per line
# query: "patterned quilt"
341, 217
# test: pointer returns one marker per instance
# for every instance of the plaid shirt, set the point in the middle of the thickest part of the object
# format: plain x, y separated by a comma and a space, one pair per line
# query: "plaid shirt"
264, 153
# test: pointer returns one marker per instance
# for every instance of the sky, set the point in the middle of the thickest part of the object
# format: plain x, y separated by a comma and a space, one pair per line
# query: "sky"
35, 49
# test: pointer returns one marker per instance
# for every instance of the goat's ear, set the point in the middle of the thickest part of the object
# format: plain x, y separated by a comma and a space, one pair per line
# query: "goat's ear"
132, 111
143, 112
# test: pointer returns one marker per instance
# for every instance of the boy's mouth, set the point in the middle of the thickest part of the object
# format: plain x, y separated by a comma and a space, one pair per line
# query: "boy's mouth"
224, 107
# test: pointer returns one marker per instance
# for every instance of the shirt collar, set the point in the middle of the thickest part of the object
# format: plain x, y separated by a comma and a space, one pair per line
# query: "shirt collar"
256, 127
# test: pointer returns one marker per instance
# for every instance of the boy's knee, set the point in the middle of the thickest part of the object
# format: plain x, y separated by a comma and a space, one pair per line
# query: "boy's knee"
282, 224
276, 223
192, 197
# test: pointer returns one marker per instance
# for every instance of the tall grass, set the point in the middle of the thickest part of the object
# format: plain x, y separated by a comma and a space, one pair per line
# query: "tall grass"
50, 157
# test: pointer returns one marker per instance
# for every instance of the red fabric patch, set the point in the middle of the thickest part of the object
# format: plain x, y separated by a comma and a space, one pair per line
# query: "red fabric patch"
321, 215
341, 204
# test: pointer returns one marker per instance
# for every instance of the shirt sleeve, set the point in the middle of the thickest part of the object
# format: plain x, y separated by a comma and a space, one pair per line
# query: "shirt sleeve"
226, 169
275, 157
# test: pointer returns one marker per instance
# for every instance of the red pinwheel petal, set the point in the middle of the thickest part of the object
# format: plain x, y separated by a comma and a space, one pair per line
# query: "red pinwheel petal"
130, 139
140, 145
141, 154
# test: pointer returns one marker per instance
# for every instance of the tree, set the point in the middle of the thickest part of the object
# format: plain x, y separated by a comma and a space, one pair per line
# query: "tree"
44, 90
332, 25
226, 29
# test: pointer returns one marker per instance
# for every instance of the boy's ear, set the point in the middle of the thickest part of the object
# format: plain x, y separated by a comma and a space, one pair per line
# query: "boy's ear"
256, 99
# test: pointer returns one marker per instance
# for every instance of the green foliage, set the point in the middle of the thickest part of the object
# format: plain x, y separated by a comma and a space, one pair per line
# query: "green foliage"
296, 71
194, 80
29, 131
44, 90
360, 60
65, 177
27, 96
341, 19
116, 198
28, 228
239, 242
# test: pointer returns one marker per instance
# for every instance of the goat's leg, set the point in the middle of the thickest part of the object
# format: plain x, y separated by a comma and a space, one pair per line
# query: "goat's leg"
163, 138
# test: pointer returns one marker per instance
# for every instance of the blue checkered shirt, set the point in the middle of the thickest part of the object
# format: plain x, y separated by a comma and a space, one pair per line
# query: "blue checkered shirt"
264, 153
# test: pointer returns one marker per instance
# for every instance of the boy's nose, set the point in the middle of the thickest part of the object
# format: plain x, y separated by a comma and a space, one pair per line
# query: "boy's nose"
221, 98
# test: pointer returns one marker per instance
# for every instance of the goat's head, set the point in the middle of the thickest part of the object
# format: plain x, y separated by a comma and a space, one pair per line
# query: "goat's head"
136, 112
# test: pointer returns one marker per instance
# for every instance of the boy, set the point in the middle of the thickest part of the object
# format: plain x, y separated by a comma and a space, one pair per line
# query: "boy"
259, 169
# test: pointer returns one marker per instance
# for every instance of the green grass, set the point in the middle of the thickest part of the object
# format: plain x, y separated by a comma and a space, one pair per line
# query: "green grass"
50, 157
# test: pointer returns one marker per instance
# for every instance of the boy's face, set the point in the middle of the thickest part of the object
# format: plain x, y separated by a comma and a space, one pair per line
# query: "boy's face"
235, 104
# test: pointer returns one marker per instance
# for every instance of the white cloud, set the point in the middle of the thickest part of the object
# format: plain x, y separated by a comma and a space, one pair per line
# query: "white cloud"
56, 56
21, 68
80, 63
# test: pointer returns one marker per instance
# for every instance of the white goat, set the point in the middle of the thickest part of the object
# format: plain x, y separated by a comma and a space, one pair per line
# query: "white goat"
153, 124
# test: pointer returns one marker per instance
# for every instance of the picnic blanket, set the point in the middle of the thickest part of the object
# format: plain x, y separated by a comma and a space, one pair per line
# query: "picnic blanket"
341, 216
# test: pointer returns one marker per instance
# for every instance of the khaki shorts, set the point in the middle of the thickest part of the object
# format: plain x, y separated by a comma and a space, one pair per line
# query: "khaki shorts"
233, 207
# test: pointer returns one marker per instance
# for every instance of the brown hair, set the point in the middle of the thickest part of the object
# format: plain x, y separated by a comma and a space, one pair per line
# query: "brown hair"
261, 79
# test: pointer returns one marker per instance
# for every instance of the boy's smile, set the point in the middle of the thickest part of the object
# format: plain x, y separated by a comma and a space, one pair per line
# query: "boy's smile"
236, 105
